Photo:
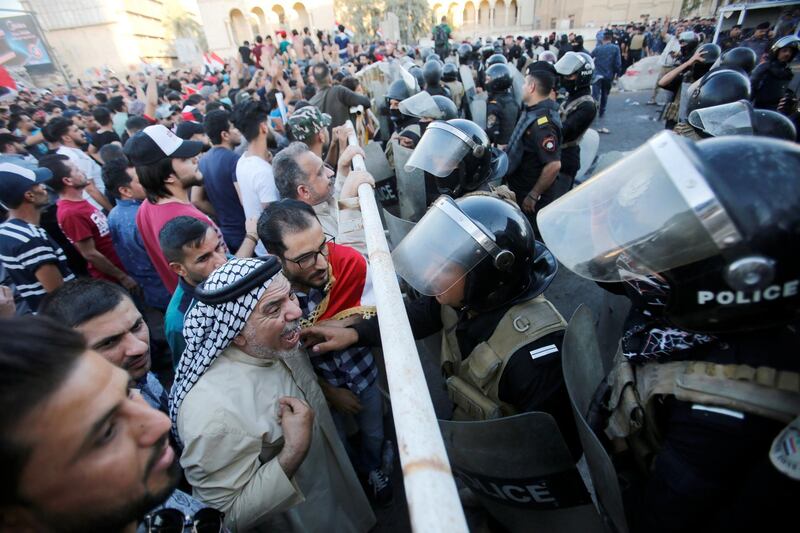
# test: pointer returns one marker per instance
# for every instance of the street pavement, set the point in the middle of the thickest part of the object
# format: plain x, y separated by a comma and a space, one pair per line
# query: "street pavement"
630, 123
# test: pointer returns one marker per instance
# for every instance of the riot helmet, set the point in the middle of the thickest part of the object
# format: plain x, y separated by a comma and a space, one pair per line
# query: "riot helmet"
548, 56
450, 72
789, 41
446, 106
575, 63
739, 118
457, 153
741, 58
498, 78
398, 90
425, 52
689, 214
688, 42
483, 240
711, 53
487, 51
416, 71
432, 73
718, 87
770, 123
464, 52
433, 56
496, 59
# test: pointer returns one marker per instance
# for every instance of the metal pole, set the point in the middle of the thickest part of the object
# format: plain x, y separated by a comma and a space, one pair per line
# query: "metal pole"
433, 503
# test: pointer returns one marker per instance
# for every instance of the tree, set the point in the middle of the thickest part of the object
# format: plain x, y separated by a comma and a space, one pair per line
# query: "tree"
364, 17
180, 23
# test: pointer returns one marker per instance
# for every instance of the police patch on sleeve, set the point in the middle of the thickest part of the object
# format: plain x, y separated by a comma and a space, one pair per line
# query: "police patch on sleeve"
542, 121
549, 144
785, 451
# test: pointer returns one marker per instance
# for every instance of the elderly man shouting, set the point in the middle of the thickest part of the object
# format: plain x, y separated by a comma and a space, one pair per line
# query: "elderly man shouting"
259, 441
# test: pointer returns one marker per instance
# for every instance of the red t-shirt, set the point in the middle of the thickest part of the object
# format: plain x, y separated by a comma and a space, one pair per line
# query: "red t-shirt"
80, 221
150, 219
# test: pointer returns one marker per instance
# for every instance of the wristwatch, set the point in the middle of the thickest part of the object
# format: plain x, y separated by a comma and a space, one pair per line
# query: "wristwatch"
536, 198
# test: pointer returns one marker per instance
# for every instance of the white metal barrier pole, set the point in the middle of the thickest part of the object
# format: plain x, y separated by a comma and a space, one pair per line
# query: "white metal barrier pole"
433, 503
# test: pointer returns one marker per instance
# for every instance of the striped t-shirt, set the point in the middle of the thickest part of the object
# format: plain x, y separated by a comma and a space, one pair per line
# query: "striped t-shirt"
24, 248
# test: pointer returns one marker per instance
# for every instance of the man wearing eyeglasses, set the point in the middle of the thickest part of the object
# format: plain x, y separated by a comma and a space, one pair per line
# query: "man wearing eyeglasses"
332, 282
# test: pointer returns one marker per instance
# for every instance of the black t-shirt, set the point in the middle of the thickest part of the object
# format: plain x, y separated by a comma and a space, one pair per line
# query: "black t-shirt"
107, 137
245, 52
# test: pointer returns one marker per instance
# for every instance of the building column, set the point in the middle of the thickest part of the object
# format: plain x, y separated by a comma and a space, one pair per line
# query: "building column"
491, 16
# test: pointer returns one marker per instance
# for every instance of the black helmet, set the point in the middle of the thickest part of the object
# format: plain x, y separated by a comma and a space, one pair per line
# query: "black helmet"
487, 51
689, 214
450, 72
464, 51
446, 106
458, 153
741, 58
398, 90
416, 71
433, 56
425, 52
770, 123
482, 239
718, 87
790, 41
432, 73
498, 78
496, 59
711, 53
579, 63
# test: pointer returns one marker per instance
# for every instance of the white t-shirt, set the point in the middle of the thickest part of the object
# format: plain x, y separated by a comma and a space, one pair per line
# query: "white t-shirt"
257, 185
90, 169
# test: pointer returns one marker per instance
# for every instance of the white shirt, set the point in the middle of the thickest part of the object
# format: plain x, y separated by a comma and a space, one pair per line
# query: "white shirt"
257, 186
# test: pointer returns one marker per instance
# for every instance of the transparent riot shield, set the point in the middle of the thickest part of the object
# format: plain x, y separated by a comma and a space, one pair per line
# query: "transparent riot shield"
521, 471
410, 184
589, 144
517, 82
397, 228
478, 109
583, 372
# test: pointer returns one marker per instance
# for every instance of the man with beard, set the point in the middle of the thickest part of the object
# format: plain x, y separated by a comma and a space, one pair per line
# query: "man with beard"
219, 176
81, 449
332, 282
300, 174
83, 224
259, 441
167, 169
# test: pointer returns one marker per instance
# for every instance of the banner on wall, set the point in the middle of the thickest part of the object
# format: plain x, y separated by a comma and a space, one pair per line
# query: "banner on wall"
21, 45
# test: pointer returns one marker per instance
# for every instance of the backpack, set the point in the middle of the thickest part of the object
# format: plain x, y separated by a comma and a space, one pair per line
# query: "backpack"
439, 36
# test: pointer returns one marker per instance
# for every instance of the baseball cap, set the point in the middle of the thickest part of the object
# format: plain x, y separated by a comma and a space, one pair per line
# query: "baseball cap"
15, 181
154, 143
307, 121
186, 129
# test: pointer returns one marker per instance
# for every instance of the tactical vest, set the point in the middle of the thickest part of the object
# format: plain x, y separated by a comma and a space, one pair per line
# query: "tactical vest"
567, 109
684, 129
506, 111
526, 118
473, 382
634, 389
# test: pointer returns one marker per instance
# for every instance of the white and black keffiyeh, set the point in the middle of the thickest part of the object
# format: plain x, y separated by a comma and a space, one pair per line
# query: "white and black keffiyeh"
209, 329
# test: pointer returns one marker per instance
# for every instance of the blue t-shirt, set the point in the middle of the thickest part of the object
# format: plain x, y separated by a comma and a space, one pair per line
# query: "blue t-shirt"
219, 175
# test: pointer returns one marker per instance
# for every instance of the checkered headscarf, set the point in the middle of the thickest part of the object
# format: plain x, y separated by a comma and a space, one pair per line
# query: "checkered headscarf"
210, 329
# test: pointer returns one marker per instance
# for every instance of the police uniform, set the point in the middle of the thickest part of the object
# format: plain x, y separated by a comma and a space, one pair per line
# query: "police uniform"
769, 81
440, 90
456, 89
501, 117
577, 115
535, 142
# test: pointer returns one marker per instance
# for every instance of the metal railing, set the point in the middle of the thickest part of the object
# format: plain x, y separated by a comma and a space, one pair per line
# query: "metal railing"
433, 503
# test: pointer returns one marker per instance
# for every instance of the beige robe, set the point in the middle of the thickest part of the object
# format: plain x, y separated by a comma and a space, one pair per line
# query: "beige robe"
221, 423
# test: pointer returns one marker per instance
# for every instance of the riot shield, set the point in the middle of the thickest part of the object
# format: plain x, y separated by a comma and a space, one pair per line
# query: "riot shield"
517, 82
477, 108
521, 471
376, 162
589, 145
583, 372
397, 228
410, 184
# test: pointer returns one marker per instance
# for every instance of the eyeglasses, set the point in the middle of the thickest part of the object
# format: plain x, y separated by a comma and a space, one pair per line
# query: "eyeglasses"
308, 260
174, 521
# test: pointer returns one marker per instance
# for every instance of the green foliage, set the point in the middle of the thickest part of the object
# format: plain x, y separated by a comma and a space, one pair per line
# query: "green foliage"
364, 17
179, 23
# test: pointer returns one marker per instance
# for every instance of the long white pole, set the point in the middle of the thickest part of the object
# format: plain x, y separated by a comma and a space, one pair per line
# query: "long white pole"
433, 503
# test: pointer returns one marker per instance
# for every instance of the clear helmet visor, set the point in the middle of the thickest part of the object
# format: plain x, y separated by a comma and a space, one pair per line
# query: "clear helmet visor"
421, 105
440, 250
648, 213
570, 64
735, 118
439, 151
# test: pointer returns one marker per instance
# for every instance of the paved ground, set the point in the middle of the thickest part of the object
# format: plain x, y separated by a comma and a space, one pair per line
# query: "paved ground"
630, 122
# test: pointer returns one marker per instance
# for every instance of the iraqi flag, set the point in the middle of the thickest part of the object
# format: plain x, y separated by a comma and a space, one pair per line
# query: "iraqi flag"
212, 62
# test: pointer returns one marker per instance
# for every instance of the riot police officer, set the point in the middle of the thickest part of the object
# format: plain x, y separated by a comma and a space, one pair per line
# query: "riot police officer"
450, 78
501, 107
534, 150
397, 92
770, 79
432, 72
739, 58
481, 276
577, 112
496, 59
420, 110
739, 118
457, 159
464, 53
703, 240
721, 86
